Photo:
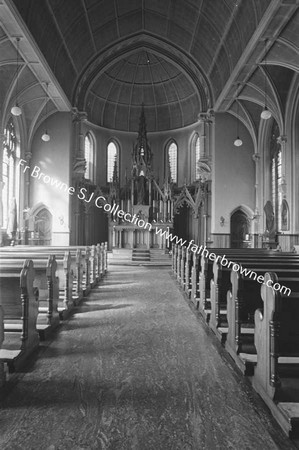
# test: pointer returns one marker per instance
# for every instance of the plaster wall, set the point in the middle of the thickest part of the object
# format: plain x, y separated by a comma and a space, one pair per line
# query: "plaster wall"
53, 160
233, 172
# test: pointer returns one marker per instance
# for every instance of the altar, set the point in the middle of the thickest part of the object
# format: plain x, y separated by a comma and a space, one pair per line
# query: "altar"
132, 236
147, 205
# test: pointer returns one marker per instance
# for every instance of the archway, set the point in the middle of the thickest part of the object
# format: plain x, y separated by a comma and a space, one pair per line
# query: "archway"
239, 228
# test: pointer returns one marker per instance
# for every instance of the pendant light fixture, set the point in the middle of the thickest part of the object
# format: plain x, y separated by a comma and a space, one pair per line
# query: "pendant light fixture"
265, 114
238, 142
16, 110
46, 136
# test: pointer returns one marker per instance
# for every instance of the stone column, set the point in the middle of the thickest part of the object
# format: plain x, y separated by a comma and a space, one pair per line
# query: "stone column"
78, 166
148, 239
255, 222
25, 216
120, 238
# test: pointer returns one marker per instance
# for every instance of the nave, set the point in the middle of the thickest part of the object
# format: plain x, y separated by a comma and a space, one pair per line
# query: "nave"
134, 368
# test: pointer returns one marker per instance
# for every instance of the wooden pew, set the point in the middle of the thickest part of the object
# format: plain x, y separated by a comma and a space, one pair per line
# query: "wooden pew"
194, 271
64, 273
93, 263
183, 267
100, 255
47, 283
174, 258
188, 271
221, 283
105, 255
80, 264
276, 337
178, 267
199, 273
194, 295
20, 309
242, 301
234, 255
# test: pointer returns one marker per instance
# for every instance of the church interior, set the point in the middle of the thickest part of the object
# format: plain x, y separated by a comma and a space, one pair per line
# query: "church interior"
133, 134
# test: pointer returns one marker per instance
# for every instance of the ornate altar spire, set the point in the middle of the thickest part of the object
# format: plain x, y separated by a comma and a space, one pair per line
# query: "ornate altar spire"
141, 165
115, 172
142, 155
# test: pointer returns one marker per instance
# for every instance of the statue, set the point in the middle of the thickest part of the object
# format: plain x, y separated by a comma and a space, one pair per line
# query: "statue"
270, 219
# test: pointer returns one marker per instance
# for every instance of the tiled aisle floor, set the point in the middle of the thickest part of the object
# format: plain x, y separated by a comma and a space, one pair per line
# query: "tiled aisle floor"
134, 369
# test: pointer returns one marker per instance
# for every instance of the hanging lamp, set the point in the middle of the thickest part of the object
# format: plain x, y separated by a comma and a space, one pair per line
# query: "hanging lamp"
238, 142
265, 114
46, 136
16, 110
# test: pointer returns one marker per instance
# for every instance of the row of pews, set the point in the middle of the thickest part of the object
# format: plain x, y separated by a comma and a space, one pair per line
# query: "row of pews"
257, 325
39, 287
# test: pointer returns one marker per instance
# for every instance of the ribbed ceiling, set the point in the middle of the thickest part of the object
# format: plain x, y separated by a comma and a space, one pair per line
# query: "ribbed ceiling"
98, 51
178, 57
170, 98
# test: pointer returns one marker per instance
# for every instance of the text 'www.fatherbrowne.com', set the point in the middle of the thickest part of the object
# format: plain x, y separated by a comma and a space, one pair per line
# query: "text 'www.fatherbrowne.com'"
101, 202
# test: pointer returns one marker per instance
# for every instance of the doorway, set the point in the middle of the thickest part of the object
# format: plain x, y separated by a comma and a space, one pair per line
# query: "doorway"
239, 229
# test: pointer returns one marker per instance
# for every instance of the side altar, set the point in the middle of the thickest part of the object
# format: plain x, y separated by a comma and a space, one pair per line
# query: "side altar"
147, 206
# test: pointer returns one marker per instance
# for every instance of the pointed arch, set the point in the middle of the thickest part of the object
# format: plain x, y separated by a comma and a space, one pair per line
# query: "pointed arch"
113, 152
196, 154
171, 161
89, 154
240, 225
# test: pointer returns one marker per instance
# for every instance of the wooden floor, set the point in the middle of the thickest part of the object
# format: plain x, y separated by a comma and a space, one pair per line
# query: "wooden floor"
134, 368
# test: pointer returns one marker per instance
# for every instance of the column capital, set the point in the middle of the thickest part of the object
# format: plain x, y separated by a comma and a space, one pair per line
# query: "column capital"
256, 157
206, 117
78, 116
281, 140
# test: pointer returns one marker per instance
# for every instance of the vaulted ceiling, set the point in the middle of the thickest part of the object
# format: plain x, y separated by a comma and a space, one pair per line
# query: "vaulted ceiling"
177, 57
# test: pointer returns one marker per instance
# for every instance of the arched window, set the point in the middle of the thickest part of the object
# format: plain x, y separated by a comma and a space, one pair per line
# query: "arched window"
112, 162
276, 175
89, 157
172, 161
10, 174
197, 153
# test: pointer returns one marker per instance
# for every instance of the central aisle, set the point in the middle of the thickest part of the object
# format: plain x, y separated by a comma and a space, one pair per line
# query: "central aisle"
134, 369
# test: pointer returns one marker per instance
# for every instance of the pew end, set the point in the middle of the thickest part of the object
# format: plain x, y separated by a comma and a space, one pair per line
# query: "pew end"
244, 361
20, 308
240, 335
218, 320
276, 373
